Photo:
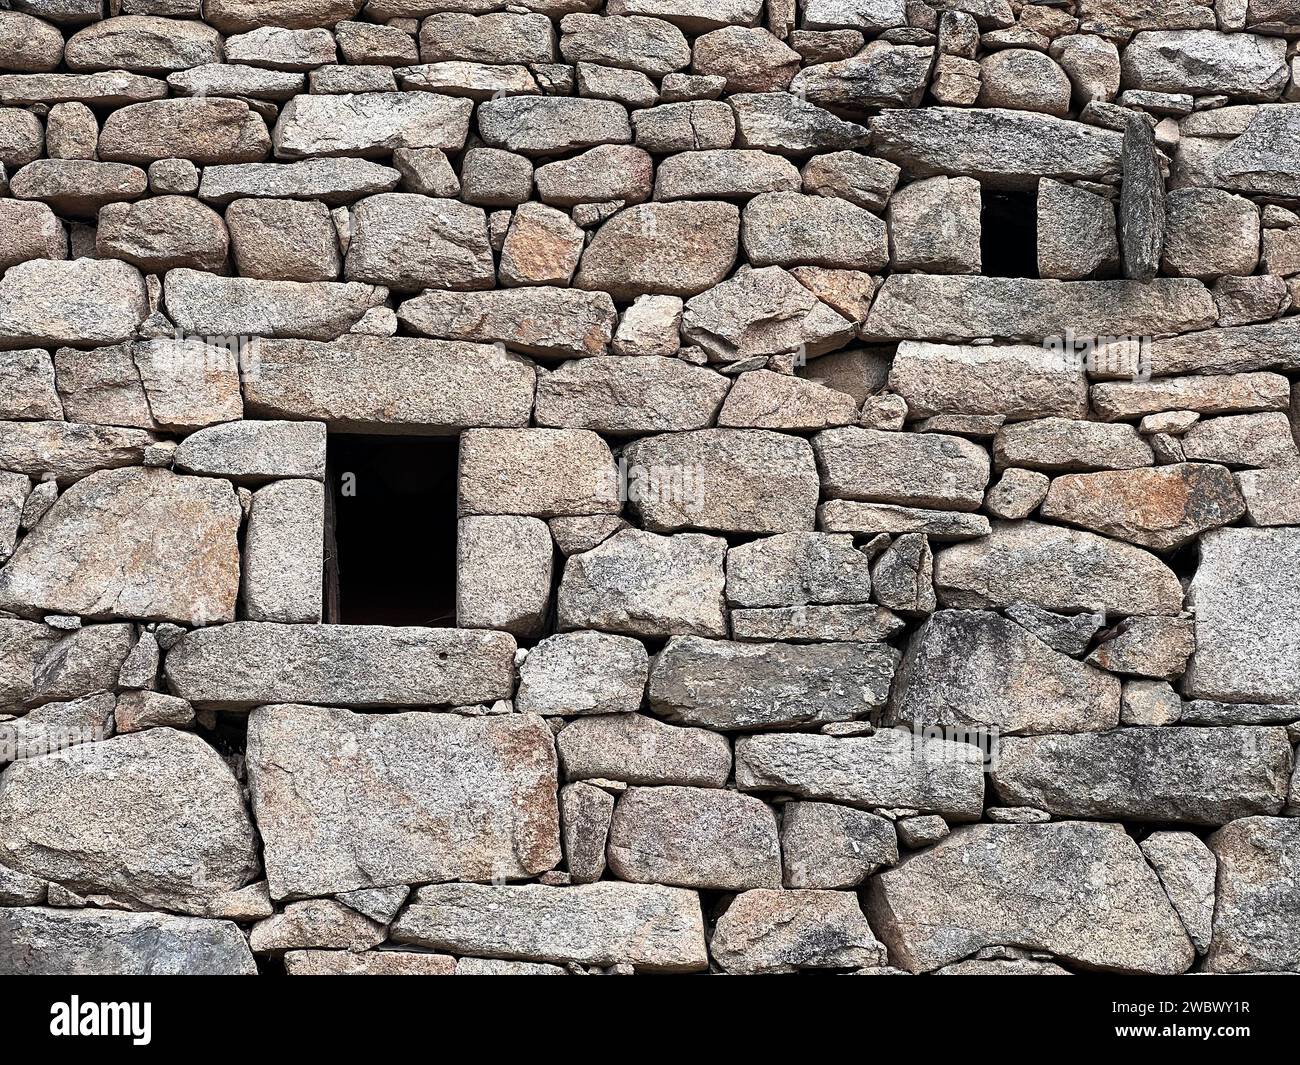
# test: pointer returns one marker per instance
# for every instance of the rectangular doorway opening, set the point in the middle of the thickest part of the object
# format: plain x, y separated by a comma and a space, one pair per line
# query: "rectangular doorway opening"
390, 541
1009, 234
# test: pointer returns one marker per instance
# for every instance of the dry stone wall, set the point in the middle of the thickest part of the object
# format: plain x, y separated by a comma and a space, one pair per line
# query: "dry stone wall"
879, 499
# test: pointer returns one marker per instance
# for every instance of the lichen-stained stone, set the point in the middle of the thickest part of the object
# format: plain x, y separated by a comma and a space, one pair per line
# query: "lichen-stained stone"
1024, 79
282, 49
652, 928
1241, 65
30, 231
630, 394
56, 942
1160, 507
686, 126
934, 226
791, 229
672, 249
641, 584
14, 489
142, 44
634, 42
1209, 233
22, 138
921, 469
169, 828
639, 749
1061, 444
390, 385
205, 304
975, 669
319, 923
707, 838
1201, 776
90, 659
543, 320
69, 450
693, 16
960, 308
880, 75
238, 16
332, 181
1246, 594
78, 187
371, 963
102, 387
542, 247
346, 801
1002, 149
763, 399
797, 568
282, 239
849, 623
204, 130
83, 303
540, 472
787, 124
1080, 891
1147, 647
890, 769
722, 685
135, 543
724, 173
1263, 440
1207, 394
824, 845
1018, 381
163, 233
583, 673
284, 546
1258, 896
1186, 868
411, 242
846, 516
551, 125
604, 173
760, 313
55, 726
238, 80
369, 124
495, 37
28, 44
114, 88
1059, 569
1236, 349
253, 452
252, 663
1076, 235
765, 931
722, 480
23, 645
503, 573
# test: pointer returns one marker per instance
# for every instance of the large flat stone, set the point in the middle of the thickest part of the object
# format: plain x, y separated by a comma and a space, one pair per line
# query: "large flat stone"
659, 929
1080, 891
82, 303
640, 749
1202, 776
250, 663
399, 385
370, 124
1258, 904
766, 931
911, 469
538, 320
346, 801
69, 450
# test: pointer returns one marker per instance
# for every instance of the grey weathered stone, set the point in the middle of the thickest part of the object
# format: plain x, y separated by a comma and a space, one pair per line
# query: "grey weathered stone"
903, 575
642, 584
1254, 916
934, 226
1209, 233
1142, 202
724, 174
585, 815
315, 923
252, 452
1076, 231
853, 622
1264, 440
651, 927
111, 89
791, 229
1246, 601
1186, 868
767, 400
583, 673
332, 181
411, 242
1236, 349
284, 545
1060, 444
68, 450
643, 750
846, 516
630, 394
1244, 66
891, 769
973, 669
1208, 394
84, 303
78, 187
1272, 496
131, 543
880, 75
1017, 494
705, 838
694, 125
503, 573
1147, 647
170, 829
140, 710
1192, 775
723, 685
545, 321
928, 470
369, 124
56, 726
238, 80
546, 126
480, 791
1058, 569
251, 663
28, 44
143, 44
1025, 79
84, 661
391, 385
797, 568
766, 931
829, 846
96, 943
206, 131
31, 231
789, 125
538, 472
283, 239
1077, 890
23, 644
162, 233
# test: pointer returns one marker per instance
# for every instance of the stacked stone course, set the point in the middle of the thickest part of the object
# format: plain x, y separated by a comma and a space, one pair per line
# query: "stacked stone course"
879, 488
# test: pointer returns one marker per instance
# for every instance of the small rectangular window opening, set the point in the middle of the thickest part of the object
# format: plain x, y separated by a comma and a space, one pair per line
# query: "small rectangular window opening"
1009, 234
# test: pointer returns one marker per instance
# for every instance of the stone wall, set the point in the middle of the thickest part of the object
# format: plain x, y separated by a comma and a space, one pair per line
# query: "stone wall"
879, 537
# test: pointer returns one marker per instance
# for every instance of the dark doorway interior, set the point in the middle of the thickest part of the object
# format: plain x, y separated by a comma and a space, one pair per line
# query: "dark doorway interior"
1009, 234
392, 509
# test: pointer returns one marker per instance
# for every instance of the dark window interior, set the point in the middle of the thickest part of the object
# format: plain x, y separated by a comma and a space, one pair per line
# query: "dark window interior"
392, 518
1009, 234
